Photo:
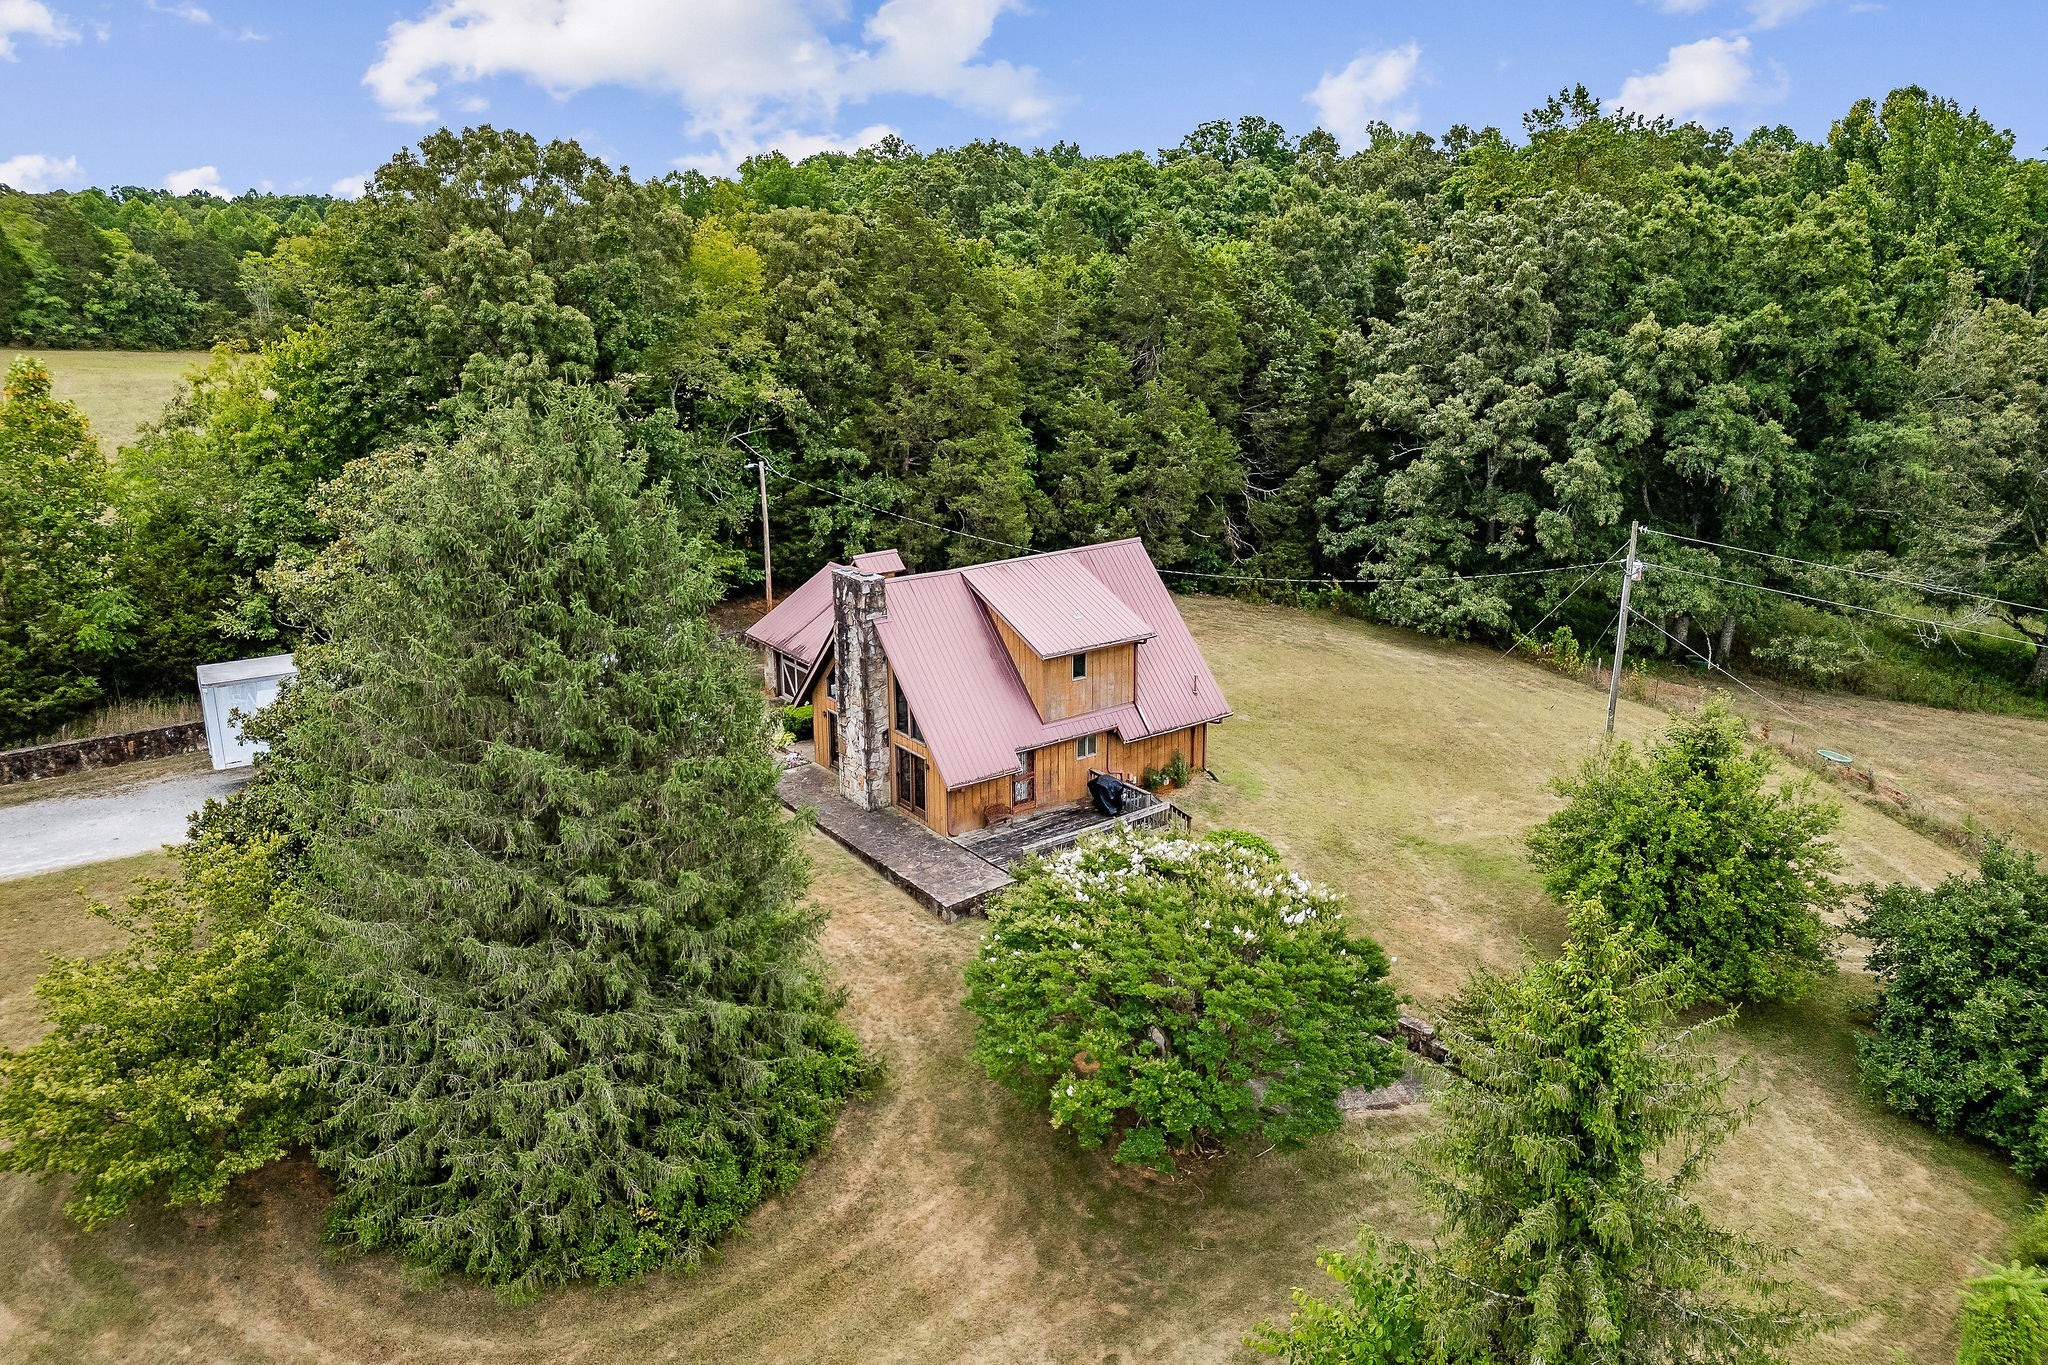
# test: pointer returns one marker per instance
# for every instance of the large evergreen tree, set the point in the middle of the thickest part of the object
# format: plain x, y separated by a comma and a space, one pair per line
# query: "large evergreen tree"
570, 1018
1576, 1120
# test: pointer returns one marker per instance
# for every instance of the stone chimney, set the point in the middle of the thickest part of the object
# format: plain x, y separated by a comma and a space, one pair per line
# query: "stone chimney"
857, 603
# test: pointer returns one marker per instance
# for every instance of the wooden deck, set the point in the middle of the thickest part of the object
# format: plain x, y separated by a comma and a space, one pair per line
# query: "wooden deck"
936, 872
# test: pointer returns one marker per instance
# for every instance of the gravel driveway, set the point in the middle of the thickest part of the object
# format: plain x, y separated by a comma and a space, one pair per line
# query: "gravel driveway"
65, 831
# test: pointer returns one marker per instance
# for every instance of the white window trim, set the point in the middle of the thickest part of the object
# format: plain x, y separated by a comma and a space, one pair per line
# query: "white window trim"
1088, 746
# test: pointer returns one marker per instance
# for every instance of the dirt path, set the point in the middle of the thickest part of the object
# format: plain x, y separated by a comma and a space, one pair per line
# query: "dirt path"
71, 827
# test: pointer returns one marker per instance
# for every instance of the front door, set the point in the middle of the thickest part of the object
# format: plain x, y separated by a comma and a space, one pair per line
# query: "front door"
831, 739
1024, 786
909, 781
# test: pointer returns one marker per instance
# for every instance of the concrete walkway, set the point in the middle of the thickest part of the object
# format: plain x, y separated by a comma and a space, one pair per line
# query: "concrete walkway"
937, 873
67, 831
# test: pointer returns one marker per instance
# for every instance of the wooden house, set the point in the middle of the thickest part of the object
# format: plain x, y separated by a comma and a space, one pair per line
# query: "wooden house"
966, 696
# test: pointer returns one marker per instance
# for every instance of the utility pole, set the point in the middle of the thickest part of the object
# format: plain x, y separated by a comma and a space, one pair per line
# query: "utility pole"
768, 559
1628, 578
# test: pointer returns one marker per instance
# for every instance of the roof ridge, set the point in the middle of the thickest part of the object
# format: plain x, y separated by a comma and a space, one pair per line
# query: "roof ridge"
1028, 554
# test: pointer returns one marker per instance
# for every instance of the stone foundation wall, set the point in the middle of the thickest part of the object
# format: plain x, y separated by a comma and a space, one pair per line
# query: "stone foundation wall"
103, 751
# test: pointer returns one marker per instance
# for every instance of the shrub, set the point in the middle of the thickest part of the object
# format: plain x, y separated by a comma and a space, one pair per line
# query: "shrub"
1175, 772
1694, 847
167, 1070
1173, 993
1961, 1022
570, 1018
797, 721
1814, 660
1561, 653
1384, 1317
2005, 1317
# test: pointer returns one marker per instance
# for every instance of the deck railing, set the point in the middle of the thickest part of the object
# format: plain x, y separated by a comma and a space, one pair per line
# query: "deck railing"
1151, 812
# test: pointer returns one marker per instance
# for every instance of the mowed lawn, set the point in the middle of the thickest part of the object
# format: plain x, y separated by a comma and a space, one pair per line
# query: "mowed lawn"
947, 1222
119, 390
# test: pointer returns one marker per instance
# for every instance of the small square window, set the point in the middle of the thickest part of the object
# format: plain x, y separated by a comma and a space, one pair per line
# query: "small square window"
1085, 746
1080, 665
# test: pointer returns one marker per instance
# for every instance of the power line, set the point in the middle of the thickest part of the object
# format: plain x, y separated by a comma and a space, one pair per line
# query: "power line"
1445, 579
1831, 602
1545, 618
1931, 588
1708, 661
900, 516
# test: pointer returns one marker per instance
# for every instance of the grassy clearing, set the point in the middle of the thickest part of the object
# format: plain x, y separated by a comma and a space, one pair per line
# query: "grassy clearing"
947, 1222
119, 390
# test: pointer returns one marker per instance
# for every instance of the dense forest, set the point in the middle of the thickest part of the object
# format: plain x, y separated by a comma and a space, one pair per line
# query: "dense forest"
141, 269
1428, 374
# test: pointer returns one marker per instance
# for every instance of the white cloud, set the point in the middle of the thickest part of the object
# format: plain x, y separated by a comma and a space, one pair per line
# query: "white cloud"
34, 172
189, 12
1695, 78
350, 186
1369, 88
1771, 13
36, 20
205, 179
1762, 13
743, 70
791, 143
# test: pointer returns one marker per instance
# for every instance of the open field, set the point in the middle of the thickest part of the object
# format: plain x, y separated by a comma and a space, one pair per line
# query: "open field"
1989, 769
947, 1222
119, 390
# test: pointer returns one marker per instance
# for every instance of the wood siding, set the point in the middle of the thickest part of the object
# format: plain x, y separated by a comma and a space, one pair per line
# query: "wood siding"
1062, 777
1112, 676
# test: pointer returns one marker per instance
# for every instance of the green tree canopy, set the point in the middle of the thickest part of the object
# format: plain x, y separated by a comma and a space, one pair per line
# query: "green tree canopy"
62, 610
1723, 872
570, 1020
167, 1071
1172, 993
1961, 1037
1574, 1122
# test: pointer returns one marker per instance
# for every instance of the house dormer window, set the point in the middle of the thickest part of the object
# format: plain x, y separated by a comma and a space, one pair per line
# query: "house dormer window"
1080, 665
906, 724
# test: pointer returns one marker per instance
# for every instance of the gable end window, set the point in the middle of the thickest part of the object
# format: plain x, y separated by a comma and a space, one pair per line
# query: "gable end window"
1085, 746
906, 724
1080, 665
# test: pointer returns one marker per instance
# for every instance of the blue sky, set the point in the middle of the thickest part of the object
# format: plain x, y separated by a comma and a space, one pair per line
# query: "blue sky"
232, 94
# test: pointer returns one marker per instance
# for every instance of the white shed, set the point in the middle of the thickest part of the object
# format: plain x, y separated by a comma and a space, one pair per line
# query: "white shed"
231, 692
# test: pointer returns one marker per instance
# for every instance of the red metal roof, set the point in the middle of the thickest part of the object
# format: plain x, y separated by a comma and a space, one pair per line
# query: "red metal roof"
963, 686
1055, 604
801, 623
879, 561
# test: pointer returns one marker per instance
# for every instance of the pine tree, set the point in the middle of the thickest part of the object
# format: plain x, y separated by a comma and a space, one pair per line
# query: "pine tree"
569, 1018
1576, 1122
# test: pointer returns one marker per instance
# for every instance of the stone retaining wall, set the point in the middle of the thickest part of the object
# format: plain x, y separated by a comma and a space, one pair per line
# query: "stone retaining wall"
103, 751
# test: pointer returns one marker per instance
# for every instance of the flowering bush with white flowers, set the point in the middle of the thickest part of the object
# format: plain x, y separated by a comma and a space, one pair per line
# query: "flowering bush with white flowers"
1173, 993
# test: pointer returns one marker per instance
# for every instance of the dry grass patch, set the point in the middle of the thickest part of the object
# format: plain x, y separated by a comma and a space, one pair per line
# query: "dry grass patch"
1404, 771
119, 390
948, 1222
